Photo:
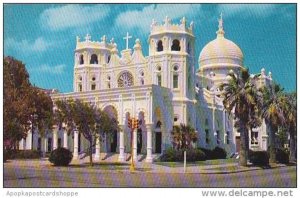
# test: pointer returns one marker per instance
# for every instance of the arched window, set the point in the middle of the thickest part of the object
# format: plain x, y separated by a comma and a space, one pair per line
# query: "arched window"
175, 45
175, 80
159, 79
81, 61
94, 78
108, 58
160, 46
80, 87
94, 59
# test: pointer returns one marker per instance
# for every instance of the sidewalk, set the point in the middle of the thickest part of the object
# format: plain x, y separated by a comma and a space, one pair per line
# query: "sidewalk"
140, 167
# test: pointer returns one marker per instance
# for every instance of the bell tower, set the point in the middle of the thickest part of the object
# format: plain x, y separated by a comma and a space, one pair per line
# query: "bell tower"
91, 57
172, 60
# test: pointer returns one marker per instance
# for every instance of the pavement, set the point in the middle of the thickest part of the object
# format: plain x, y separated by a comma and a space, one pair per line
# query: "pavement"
109, 165
107, 172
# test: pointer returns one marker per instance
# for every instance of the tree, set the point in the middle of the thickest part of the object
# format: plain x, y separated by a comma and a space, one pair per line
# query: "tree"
273, 104
240, 96
42, 115
17, 108
183, 136
290, 113
90, 121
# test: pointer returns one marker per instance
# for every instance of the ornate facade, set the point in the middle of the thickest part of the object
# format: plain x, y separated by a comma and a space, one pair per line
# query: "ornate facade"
161, 89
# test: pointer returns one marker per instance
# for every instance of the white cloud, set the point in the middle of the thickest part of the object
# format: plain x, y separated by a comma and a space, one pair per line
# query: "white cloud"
71, 16
246, 10
142, 19
38, 45
56, 69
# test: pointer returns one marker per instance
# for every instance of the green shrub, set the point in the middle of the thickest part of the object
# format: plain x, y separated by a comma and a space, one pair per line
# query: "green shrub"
208, 153
219, 153
259, 158
23, 154
216, 153
192, 155
61, 157
282, 156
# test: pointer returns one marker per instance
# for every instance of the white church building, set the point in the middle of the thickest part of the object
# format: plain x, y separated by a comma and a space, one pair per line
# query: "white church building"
161, 89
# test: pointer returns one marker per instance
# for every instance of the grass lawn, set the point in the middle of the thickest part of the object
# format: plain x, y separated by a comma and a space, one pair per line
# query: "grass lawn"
199, 163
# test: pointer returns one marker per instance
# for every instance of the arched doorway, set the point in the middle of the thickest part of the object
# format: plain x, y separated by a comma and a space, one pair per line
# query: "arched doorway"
158, 137
112, 136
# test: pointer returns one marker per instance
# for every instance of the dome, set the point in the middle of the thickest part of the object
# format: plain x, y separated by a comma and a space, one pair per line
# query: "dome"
221, 48
221, 51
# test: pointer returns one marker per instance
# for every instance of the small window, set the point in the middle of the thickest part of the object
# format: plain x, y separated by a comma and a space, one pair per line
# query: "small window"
175, 81
49, 144
206, 122
59, 142
80, 87
158, 68
218, 136
81, 61
141, 73
227, 137
108, 77
108, 85
93, 87
254, 137
142, 81
94, 78
159, 80
207, 136
108, 58
39, 144
160, 46
80, 78
175, 68
175, 118
175, 45
94, 59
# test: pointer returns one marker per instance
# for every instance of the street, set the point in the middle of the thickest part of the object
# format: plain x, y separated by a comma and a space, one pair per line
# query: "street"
57, 177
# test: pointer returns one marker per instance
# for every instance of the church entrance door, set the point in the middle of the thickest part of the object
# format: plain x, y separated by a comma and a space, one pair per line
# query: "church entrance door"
158, 142
114, 142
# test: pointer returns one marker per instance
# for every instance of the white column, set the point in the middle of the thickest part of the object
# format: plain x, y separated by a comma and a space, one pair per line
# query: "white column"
135, 144
21, 144
149, 144
65, 139
55, 138
97, 154
44, 146
75, 154
121, 147
29, 140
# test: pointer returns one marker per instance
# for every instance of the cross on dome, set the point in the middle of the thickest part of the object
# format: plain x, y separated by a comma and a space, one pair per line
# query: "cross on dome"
220, 32
127, 37
87, 37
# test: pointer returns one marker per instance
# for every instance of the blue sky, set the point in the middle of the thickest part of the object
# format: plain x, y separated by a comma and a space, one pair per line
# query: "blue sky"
43, 36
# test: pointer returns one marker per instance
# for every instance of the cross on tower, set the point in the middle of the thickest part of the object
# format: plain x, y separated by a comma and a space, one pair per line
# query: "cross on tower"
87, 37
127, 37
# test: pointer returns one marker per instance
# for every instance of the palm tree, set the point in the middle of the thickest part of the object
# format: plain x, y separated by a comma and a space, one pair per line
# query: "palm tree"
183, 136
273, 104
240, 96
291, 121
